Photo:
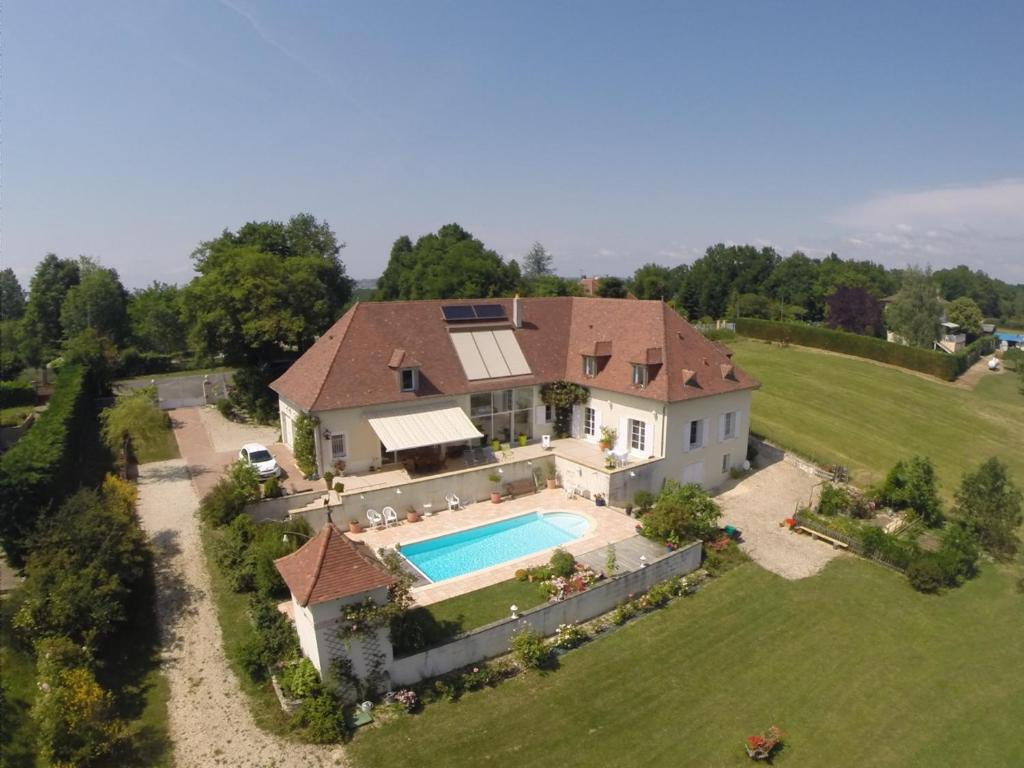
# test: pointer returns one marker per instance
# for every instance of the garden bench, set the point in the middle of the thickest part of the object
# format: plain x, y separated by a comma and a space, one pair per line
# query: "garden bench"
816, 535
520, 487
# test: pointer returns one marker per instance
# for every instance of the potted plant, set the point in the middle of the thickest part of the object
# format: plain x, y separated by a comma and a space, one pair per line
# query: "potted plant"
629, 510
761, 745
355, 526
599, 499
339, 488
551, 476
495, 478
521, 439
609, 462
608, 437
411, 514
328, 479
339, 467
495, 445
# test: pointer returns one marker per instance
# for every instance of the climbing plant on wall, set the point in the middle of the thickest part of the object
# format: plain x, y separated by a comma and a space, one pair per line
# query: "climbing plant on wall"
563, 395
305, 444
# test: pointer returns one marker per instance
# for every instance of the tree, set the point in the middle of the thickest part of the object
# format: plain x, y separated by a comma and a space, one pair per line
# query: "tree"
912, 485
681, 513
98, 302
94, 351
990, 501
267, 289
653, 281
551, 285
154, 315
965, 313
753, 305
11, 361
12, 297
611, 288
793, 282
43, 332
448, 264
537, 262
133, 419
914, 313
723, 272
854, 310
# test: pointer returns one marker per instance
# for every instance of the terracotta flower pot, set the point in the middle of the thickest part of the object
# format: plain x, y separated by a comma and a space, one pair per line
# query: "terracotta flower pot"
412, 517
552, 483
355, 526
495, 497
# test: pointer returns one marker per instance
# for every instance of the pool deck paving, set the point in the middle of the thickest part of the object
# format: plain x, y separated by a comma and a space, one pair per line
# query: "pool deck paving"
607, 525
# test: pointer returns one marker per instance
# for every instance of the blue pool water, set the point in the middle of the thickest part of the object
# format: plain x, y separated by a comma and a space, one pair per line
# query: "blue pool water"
1014, 337
466, 551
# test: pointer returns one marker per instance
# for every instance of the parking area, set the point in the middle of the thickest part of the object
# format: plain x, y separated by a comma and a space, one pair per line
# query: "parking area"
185, 391
759, 503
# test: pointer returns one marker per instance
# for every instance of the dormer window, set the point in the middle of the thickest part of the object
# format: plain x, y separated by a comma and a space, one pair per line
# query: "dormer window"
409, 378
589, 366
640, 375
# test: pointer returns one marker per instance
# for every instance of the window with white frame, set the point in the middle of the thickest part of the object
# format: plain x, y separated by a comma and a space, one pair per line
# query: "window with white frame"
639, 375
726, 462
694, 434
409, 377
638, 435
729, 425
589, 366
338, 446
549, 414
589, 422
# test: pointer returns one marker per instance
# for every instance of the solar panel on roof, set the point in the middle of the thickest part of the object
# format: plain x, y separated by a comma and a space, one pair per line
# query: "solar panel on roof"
458, 312
489, 311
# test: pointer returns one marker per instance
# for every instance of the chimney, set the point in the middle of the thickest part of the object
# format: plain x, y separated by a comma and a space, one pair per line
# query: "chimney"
517, 319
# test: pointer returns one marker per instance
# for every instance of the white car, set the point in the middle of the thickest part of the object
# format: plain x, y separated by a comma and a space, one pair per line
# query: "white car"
260, 459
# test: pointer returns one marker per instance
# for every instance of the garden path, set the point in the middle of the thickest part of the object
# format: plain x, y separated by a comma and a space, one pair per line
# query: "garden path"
209, 718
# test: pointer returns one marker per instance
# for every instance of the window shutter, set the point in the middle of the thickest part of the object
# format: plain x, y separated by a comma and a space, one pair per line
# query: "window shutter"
622, 438
704, 432
721, 427
577, 421
736, 422
540, 414
686, 436
597, 423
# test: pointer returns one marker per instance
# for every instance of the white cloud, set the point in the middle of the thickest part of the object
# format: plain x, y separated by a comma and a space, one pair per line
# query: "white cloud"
979, 225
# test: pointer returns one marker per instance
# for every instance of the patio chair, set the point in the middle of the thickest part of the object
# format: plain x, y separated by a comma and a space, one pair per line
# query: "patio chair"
390, 516
569, 490
453, 501
375, 518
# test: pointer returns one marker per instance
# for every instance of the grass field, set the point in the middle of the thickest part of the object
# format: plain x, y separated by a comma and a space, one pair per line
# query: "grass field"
842, 410
853, 665
159, 450
14, 415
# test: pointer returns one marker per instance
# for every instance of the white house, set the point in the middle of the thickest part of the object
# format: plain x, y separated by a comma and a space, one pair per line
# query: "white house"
417, 383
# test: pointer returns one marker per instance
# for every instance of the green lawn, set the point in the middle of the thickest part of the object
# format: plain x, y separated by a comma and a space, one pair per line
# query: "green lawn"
176, 374
866, 416
853, 665
445, 620
14, 415
160, 450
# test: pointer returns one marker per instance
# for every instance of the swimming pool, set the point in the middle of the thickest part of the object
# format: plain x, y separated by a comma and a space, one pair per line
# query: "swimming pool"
455, 554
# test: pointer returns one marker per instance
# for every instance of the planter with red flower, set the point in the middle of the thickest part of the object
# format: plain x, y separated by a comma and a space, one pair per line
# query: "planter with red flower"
760, 746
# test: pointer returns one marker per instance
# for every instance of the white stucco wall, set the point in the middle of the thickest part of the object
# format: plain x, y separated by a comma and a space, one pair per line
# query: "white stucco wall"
711, 409
614, 409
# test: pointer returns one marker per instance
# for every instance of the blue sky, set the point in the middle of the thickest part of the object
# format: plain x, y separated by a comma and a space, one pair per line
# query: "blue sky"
614, 133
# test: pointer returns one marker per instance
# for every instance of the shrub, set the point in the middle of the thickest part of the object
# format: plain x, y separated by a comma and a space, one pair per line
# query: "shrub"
74, 715
529, 650
659, 595
624, 612
681, 513
991, 503
912, 485
938, 364
926, 573
304, 444
570, 636
834, 500
18, 392
272, 488
643, 501
322, 718
43, 467
300, 679
226, 409
222, 504
562, 563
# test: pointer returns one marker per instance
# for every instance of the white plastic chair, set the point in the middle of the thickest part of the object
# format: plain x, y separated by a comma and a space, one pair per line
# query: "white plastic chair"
453, 501
569, 490
375, 518
390, 516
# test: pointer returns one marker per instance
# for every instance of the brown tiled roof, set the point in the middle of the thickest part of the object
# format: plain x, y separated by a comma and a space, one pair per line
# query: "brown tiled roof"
330, 566
349, 365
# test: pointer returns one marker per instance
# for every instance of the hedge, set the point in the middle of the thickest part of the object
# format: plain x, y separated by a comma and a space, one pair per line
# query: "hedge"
39, 471
16, 393
939, 364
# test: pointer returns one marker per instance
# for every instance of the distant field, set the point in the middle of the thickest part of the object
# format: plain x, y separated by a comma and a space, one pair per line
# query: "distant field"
867, 416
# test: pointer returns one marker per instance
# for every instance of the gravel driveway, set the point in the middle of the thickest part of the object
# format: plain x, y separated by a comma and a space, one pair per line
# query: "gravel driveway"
210, 722
758, 503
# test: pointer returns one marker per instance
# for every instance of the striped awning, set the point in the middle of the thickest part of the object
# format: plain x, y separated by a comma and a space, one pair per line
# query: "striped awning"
428, 425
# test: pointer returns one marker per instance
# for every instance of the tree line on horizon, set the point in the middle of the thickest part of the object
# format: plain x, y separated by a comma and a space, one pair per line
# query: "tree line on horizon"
263, 293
